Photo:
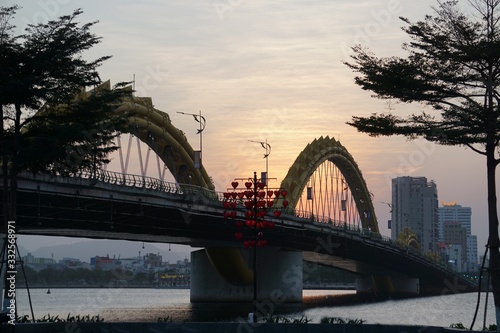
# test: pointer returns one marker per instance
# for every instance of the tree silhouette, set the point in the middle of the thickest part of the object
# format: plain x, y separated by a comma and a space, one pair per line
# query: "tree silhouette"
453, 65
45, 127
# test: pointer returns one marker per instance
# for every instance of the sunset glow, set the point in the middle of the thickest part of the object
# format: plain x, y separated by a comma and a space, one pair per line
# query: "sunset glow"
274, 71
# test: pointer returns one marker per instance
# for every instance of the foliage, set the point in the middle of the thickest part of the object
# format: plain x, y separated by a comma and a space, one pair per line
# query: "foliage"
56, 319
277, 319
49, 121
84, 319
453, 68
52, 276
459, 326
23, 319
335, 320
84, 128
301, 320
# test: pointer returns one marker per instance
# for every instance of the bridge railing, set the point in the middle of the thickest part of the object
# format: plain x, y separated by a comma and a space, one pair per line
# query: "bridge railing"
304, 217
369, 235
156, 184
137, 181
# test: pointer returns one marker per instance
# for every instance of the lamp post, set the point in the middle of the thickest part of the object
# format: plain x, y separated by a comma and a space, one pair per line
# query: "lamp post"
267, 147
256, 202
203, 122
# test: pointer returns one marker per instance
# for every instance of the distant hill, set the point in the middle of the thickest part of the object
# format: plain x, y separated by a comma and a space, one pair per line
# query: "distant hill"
84, 250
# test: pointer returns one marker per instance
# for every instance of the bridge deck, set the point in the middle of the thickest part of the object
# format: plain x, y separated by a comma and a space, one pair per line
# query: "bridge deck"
117, 209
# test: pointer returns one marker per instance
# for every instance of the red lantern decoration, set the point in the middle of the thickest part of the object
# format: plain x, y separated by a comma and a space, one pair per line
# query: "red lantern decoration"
256, 198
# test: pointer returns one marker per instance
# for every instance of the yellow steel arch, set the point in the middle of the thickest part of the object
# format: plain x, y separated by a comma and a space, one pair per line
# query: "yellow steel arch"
154, 128
328, 149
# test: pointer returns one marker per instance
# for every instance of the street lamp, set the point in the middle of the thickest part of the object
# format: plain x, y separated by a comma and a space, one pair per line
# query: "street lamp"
202, 121
256, 198
267, 147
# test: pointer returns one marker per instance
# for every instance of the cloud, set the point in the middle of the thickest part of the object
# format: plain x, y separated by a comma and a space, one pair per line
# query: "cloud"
269, 70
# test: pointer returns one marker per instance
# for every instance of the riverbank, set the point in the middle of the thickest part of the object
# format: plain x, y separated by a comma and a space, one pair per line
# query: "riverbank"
100, 286
150, 305
220, 327
148, 286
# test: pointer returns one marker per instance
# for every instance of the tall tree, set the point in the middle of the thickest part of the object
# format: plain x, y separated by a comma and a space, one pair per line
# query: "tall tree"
452, 65
50, 121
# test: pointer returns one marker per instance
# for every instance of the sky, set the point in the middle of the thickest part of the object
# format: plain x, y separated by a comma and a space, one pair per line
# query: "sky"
271, 70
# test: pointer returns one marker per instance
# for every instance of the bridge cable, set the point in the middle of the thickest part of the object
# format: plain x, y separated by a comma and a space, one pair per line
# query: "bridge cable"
479, 289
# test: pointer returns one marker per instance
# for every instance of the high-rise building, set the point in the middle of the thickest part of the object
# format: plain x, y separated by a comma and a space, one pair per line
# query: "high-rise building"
415, 206
455, 235
453, 214
454, 255
472, 262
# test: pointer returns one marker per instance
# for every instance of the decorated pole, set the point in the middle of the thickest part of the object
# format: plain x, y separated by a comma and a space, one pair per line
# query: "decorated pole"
254, 201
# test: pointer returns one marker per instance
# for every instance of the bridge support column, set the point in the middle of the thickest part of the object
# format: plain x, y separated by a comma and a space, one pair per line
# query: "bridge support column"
279, 277
382, 283
388, 286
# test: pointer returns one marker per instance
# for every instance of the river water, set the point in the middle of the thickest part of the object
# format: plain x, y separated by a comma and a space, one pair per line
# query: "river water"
127, 304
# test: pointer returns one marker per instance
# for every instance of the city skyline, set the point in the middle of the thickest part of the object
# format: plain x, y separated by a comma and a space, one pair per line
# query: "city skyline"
272, 71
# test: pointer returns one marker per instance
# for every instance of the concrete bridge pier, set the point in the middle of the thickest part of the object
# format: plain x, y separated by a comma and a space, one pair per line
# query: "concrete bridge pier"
385, 284
226, 275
